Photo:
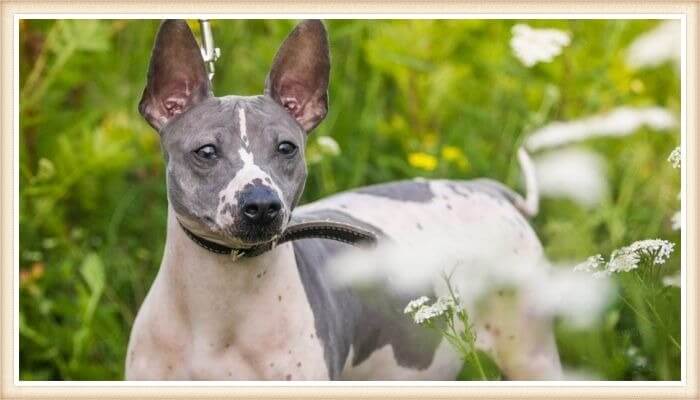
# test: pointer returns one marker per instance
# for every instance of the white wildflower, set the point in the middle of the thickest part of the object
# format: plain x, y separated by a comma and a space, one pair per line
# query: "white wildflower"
328, 145
675, 157
425, 313
574, 174
623, 260
591, 264
537, 45
627, 258
676, 221
672, 280
414, 305
660, 249
445, 303
619, 122
656, 46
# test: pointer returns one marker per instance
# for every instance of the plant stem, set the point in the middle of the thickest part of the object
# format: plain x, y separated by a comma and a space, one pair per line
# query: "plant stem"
478, 364
639, 314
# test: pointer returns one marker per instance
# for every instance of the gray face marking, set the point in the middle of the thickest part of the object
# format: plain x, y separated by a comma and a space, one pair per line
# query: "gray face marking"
246, 132
365, 318
404, 191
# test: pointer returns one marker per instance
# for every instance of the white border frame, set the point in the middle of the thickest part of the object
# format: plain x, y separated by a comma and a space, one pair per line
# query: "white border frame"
369, 16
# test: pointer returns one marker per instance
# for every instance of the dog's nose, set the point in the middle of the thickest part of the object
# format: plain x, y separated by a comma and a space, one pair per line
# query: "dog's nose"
260, 205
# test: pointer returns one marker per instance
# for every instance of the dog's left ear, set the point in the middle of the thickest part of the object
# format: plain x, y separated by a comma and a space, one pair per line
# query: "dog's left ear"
177, 77
298, 79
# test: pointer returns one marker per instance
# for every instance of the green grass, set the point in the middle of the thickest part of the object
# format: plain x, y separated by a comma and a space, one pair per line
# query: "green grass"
92, 190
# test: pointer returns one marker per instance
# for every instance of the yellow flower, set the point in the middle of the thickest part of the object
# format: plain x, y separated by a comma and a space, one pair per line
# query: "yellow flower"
452, 153
423, 161
455, 155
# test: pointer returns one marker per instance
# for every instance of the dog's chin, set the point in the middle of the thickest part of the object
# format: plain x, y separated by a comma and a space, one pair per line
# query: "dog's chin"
251, 241
252, 237
243, 240
237, 239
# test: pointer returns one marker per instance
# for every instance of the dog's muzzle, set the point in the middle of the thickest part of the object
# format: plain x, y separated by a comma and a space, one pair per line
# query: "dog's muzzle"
260, 205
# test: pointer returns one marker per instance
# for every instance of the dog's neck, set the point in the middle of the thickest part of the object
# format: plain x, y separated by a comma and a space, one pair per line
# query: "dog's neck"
217, 294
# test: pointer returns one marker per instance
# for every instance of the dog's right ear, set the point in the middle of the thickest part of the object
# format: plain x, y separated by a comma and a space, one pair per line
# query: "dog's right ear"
177, 77
298, 79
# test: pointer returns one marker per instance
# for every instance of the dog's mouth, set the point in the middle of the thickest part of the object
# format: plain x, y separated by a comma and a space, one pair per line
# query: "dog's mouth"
255, 236
239, 236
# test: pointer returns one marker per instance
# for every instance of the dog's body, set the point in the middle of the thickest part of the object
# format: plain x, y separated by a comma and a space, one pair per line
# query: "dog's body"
278, 315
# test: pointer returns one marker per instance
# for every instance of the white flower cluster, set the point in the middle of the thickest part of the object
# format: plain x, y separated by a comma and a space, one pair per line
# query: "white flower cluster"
675, 157
591, 264
414, 305
537, 45
423, 313
628, 258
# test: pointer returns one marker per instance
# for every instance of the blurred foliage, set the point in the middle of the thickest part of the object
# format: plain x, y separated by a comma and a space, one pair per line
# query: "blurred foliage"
408, 97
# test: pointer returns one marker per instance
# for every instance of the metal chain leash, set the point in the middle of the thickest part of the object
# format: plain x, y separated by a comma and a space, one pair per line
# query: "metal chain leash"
209, 53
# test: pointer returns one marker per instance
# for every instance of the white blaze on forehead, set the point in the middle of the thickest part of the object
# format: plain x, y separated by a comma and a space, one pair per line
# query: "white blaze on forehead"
242, 126
246, 175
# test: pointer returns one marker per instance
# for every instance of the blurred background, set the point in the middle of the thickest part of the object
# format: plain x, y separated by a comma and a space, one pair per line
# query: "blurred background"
597, 103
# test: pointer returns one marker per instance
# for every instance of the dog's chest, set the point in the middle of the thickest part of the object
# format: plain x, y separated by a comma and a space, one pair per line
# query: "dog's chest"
257, 324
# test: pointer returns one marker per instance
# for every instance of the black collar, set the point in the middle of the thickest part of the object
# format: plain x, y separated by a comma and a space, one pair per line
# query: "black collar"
305, 229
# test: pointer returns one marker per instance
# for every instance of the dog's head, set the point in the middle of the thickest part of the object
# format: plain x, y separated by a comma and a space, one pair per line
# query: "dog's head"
235, 165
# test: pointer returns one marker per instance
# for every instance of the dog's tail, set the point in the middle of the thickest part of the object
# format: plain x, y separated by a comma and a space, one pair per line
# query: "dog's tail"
531, 204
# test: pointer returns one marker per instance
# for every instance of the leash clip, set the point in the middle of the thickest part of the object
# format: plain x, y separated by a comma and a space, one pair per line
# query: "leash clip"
209, 53
236, 254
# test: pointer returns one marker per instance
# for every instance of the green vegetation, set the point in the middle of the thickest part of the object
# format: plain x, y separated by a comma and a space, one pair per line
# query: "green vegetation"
408, 98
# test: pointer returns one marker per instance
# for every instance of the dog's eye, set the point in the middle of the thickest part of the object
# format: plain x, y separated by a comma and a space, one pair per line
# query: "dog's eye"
287, 148
207, 152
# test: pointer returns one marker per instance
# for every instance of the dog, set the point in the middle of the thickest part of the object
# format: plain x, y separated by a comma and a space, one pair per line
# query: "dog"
235, 172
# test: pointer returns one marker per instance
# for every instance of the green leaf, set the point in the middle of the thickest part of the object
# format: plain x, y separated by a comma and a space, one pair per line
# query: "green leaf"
470, 372
92, 271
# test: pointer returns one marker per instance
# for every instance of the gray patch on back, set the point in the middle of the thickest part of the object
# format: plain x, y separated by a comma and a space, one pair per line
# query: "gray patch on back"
418, 192
489, 187
366, 318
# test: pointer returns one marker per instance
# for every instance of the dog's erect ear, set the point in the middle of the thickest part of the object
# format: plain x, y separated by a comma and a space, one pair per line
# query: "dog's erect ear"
177, 77
298, 79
